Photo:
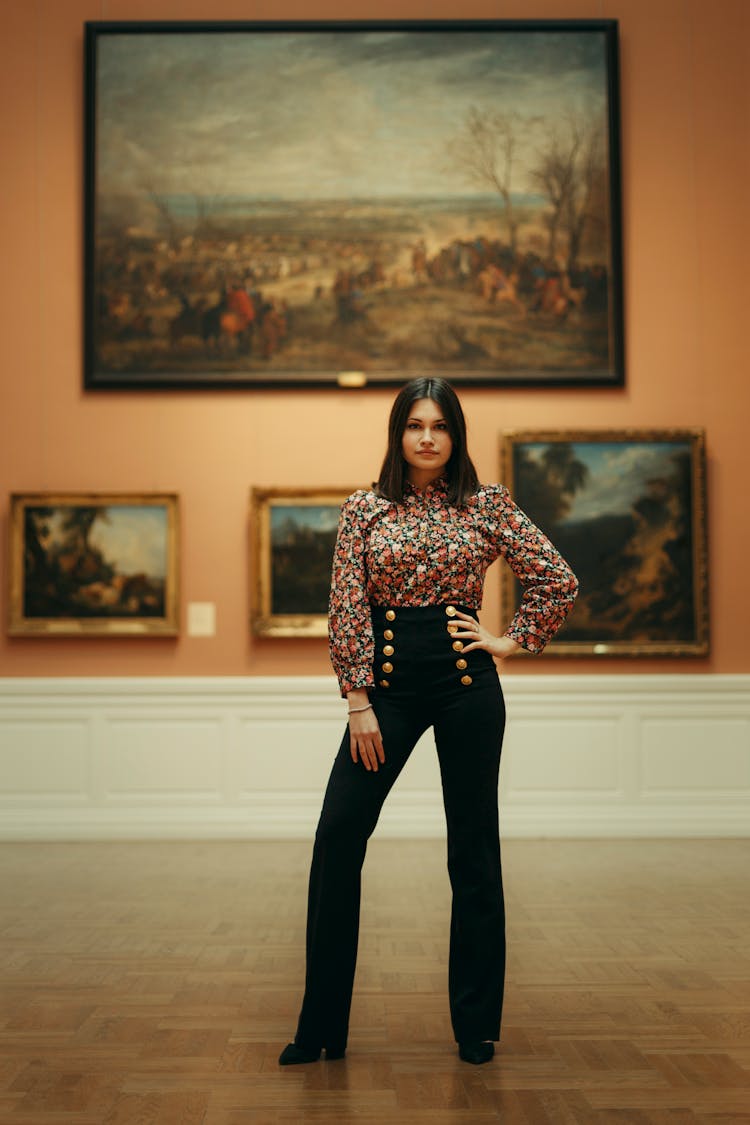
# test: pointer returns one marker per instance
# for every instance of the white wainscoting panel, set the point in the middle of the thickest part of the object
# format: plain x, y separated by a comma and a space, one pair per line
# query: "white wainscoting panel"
703, 755
204, 758
44, 759
149, 758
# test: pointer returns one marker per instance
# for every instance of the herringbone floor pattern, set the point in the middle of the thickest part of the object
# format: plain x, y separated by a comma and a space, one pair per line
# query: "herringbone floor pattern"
156, 983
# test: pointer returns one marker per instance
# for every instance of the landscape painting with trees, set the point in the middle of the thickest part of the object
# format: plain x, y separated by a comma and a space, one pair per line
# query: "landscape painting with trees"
96, 563
286, 203
293, 533
627, 510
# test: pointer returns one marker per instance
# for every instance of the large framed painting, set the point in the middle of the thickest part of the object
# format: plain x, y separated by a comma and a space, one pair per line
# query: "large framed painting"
627, 509
351, 204
292, 537
93, 564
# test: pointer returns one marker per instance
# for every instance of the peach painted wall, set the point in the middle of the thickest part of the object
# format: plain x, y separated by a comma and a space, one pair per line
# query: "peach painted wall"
685, 148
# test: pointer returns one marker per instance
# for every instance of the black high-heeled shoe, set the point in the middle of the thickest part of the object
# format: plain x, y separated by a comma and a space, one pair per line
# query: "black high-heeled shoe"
293, 1054
476, 1053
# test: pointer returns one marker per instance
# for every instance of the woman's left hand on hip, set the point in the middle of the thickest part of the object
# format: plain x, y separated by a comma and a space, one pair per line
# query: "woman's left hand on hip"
474, 635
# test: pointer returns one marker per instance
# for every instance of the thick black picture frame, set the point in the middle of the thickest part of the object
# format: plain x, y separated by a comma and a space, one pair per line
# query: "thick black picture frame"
148, 326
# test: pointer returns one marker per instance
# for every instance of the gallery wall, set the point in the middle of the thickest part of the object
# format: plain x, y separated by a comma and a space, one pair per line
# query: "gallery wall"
686, 165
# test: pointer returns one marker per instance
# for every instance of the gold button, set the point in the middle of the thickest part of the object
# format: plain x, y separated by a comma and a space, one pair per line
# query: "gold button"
452, 629
385, 683
388, 634
461, 664
466, 680
457, 646
387, 667
388, 650
390, 615
450, 610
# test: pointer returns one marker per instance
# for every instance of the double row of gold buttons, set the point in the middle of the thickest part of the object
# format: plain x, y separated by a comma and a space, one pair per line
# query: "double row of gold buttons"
388, 649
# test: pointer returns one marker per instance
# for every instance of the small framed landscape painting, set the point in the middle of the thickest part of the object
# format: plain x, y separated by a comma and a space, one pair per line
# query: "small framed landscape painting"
88, 564
627, 509
293, 534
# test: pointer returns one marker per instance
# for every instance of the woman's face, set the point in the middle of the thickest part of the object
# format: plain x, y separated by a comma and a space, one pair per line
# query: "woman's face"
426, 443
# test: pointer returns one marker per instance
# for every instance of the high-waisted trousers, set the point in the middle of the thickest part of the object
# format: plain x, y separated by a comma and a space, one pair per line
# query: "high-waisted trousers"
422, 680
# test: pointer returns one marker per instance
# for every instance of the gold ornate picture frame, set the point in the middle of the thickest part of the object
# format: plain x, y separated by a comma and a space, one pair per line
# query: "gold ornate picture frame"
93, 564
627, 509
292, 536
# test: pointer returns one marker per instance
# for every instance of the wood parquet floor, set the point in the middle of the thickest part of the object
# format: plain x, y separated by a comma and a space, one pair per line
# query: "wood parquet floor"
154, 984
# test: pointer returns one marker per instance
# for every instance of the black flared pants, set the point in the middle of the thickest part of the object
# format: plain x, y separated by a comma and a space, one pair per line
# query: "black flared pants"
424, 681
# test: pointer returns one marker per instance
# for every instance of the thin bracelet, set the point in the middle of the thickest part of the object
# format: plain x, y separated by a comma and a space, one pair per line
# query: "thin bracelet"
354, 710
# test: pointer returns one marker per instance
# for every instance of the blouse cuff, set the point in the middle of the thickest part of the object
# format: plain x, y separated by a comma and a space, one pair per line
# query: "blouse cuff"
356, 680
532, 642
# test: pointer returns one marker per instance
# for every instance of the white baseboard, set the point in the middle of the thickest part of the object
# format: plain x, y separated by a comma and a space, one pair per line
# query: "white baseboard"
240, 758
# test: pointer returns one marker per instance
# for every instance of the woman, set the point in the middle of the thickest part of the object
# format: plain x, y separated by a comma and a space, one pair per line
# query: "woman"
409, 653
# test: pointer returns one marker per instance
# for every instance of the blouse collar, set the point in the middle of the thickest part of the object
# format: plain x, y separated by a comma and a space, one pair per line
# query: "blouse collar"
436, 489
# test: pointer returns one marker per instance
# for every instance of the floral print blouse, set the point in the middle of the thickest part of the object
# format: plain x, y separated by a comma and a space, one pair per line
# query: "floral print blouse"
423, 551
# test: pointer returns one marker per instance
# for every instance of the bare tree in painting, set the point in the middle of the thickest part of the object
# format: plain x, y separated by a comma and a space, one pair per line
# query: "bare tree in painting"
553, 175
569, 172
486, 149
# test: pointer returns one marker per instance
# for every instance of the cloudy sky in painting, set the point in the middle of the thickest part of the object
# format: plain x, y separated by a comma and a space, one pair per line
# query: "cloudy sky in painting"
133, 539
297, 115
311, 516
619, 473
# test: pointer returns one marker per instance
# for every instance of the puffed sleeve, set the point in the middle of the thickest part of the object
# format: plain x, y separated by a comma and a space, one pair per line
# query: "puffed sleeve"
549, 585
350, 639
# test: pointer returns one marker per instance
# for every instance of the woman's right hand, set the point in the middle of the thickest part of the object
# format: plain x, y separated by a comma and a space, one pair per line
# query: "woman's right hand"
365, 739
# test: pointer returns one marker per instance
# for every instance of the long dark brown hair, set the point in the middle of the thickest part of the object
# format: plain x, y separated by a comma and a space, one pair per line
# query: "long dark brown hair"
462, 476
